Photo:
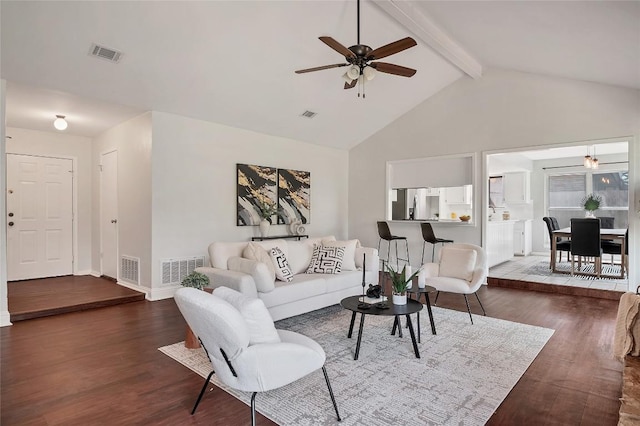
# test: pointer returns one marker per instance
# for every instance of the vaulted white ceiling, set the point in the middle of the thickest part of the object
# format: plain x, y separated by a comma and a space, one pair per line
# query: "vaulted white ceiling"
233, 62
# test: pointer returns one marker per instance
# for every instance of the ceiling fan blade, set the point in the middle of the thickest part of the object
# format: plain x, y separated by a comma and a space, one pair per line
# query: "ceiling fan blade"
391, 48
324, 67
393, 69
351, 85
337, 47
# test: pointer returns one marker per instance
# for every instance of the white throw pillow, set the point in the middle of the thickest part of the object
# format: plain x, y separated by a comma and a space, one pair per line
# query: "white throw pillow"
255, 314
283, 272
348, 261
255, 251
326, 260
457, 263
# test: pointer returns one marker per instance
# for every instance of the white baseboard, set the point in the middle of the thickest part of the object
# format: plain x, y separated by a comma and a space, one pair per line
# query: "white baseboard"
96, 274
162, 293
5, 319
84, 272
139, 288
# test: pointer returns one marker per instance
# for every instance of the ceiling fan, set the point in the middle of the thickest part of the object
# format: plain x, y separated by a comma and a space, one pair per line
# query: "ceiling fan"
360, 56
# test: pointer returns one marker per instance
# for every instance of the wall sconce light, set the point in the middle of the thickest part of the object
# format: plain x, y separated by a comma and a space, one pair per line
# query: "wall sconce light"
60, 123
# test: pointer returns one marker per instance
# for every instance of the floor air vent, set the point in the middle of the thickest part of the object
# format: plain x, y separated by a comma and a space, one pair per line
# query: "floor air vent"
174, 270
130, 269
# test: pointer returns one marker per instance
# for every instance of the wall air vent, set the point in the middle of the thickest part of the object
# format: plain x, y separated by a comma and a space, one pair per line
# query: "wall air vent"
309, 114
173, 271
130, 269
106, 53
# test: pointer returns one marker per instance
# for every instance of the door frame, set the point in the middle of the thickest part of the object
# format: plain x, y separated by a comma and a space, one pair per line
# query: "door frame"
100, 221
74, 200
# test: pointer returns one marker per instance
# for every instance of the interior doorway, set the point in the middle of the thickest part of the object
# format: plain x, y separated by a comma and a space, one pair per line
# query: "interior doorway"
39, 217
109, 214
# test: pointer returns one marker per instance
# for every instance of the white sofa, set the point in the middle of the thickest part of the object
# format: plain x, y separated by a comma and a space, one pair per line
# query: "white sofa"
232, 265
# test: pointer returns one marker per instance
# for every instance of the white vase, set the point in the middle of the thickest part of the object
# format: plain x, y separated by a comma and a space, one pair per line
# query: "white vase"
399, 299
589, 213
264, 228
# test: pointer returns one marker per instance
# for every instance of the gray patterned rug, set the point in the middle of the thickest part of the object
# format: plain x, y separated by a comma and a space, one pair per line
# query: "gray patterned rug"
464, 372
612, 272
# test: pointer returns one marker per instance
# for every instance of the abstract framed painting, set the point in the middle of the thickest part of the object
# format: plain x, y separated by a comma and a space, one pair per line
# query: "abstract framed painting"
256, 185
294, 196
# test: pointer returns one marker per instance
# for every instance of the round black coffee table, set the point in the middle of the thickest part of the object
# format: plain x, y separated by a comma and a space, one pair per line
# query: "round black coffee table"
420, 291
412, 307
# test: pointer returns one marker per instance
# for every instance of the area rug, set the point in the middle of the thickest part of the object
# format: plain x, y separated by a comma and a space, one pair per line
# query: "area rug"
464, 372
612, 272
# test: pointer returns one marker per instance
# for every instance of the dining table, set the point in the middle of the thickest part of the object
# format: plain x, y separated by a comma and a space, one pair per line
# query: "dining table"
613, 234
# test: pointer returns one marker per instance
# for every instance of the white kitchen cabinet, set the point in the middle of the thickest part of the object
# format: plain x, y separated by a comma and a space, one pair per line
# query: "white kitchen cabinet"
517, 188
522, 242
433, 192
499, 242
457, 194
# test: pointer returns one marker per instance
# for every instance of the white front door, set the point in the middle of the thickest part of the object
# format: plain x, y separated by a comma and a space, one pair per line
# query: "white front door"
39, 217
109, 214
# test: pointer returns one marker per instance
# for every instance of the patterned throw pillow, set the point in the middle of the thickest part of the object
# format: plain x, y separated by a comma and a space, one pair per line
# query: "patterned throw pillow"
326, 260
283, 272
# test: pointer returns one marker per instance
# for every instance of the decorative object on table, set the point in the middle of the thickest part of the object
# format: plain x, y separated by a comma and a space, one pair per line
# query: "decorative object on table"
195, 280
256, 184
266, 212
362, 304
506, 215
293, 226
400, 283
300, 230
465, 218
374, 291
591, 203
294, 196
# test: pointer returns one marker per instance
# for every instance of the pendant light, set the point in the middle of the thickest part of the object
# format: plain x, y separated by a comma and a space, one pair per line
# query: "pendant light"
60, 123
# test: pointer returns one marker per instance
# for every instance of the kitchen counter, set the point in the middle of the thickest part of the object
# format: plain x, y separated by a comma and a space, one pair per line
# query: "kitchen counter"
456, 222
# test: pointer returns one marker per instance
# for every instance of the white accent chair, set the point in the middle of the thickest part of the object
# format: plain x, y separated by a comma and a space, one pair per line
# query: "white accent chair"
227, 326
462, 269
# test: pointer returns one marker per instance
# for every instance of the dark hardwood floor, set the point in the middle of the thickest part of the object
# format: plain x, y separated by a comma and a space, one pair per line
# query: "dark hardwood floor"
52, 296
102, 366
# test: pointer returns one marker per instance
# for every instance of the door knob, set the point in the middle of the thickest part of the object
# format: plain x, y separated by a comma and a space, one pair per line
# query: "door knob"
10, 214
114, 220
10, 223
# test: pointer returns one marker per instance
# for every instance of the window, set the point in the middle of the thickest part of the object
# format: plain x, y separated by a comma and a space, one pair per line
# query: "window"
613, 188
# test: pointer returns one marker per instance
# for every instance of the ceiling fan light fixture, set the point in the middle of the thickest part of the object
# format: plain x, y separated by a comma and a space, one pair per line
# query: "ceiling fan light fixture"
353, 72
346, 78
369, 73
60, 123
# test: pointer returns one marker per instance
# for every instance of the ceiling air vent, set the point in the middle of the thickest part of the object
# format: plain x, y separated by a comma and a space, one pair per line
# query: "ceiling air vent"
102, 52
309, 114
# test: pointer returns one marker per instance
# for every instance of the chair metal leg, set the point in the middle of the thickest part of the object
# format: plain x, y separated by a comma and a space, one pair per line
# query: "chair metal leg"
406, 243
424, 243
433, 251
204, 387
333, 399
253, 409
483, 311
468, 308
397, 260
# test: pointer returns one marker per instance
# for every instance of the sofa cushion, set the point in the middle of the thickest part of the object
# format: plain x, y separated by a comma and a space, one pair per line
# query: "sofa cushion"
301, 287
326, 260
457, 263
344, 280
254, 251
258, 271
348, 260
283, 272
219, 253
255, 314
299, 256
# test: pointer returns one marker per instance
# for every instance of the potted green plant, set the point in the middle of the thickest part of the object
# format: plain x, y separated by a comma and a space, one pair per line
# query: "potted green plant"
266, 212
400, 284
196, 280
591, 203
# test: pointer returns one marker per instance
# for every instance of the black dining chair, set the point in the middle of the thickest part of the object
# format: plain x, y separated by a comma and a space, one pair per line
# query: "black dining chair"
430, 237
606, 222
613, 248
385, 234
585, 242
561, 245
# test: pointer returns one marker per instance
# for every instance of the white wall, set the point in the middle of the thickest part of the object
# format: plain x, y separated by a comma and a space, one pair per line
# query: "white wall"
4, 304
78, 148
501, 110
194, 184
132, 140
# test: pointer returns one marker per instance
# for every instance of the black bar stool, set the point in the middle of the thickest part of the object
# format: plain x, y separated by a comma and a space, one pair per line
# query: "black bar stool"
385, 234
430, 237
